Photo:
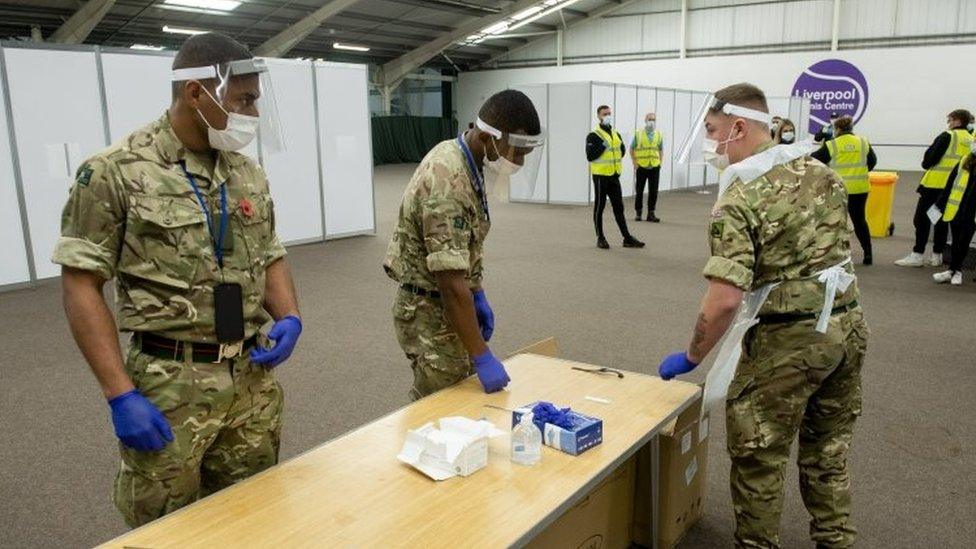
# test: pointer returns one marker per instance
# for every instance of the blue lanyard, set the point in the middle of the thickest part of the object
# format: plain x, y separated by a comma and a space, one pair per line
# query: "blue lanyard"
476, 182
216, 239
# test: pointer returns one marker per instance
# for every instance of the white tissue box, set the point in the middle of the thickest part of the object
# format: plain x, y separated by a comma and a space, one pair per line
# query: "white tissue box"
458, 447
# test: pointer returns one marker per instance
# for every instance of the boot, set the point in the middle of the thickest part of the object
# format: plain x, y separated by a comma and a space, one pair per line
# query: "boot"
602, 243
631, 242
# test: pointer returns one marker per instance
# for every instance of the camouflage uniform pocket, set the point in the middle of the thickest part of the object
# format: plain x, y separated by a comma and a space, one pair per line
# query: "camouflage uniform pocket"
255, 233
405, 306
165, 241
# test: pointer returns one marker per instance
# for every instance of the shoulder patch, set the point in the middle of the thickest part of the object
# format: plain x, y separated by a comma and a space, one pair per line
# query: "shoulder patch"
459, 222
717, 228
84, 175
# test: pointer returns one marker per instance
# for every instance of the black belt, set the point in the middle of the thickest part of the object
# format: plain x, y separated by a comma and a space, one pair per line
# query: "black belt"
782, 318
172, 349
417, 290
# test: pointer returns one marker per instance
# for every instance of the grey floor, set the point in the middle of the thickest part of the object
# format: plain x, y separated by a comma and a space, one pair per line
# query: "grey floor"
913, 457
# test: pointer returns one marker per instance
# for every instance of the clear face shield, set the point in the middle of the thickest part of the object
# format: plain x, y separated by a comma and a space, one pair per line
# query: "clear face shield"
512, 163
245, 100
699, 145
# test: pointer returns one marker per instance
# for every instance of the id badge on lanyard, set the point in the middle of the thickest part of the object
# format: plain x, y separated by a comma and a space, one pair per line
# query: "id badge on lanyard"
228, 297
476, 181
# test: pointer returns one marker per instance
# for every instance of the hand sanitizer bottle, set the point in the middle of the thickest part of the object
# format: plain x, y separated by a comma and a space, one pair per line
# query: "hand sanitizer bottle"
526, 441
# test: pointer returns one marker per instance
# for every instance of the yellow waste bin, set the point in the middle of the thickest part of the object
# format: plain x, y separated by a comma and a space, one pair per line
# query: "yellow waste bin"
880, 201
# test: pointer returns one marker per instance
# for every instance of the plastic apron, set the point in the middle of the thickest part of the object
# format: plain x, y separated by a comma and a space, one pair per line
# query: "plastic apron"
835, 279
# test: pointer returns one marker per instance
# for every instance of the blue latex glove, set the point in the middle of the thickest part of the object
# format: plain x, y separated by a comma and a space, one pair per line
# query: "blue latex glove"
490, 371
675, 364
139, 424
486, 317
546, 412
285, 334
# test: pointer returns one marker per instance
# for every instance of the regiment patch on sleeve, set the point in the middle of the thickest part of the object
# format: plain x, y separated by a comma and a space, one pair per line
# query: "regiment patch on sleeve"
84, 175
716, 228
459, 223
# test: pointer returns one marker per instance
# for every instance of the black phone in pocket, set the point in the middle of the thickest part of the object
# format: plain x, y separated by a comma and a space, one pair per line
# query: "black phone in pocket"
228, 312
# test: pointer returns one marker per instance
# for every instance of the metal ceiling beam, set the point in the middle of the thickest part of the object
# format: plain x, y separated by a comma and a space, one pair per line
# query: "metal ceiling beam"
77, 28
448, 7
595, 15
392, 72
279, 44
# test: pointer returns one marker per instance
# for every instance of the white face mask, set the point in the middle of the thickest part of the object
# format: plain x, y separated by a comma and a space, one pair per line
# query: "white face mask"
788, 136
970, 127
649, 125
240, 131
607, 120
499, 171
710, 152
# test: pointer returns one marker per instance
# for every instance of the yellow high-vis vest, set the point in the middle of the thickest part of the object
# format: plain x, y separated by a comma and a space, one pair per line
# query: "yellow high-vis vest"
609, 162
958, 189
648, 150
937, 176
849, 158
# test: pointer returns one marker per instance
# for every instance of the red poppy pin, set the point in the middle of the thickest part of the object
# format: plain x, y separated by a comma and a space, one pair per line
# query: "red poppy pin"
247, 209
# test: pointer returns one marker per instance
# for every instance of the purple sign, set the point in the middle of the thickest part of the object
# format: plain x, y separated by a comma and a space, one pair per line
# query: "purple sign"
832, 85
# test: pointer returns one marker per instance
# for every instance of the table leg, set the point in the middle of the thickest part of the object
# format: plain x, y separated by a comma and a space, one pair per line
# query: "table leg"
655, 487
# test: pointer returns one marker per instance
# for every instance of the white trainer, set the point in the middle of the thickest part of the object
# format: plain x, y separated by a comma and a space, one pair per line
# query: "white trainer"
935, 260
911, 260
943, 277
957, 278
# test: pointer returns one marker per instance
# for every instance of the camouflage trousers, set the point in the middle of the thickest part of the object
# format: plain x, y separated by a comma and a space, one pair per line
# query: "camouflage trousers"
792, 379
226, 422
436, 354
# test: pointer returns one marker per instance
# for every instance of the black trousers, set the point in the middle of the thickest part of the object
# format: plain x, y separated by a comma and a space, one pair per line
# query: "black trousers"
855, 208
604, 187
652, 177
926, 199
963, 229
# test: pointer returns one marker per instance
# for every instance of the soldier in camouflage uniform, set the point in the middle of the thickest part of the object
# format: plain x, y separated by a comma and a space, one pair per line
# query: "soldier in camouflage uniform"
784, 226
192, 416
441, 316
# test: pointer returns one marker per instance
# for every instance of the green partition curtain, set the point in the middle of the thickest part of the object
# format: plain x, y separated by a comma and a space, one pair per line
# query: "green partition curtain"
408, 138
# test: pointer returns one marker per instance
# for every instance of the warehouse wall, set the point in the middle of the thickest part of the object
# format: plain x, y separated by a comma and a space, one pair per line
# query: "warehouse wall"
910, 89
651, 28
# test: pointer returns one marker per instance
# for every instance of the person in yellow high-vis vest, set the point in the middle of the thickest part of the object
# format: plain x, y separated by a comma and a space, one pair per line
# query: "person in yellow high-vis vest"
605, 152
942, 155
645, 151
852, 157
959, 198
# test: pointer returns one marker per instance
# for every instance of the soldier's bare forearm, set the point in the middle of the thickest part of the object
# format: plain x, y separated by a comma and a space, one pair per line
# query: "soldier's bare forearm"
459, 309
717, 312
94, 329
280, 298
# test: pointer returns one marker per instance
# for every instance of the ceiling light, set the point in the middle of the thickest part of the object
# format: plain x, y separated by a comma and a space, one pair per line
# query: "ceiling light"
219, 5
555, 6
349, 47
181, 30
527, 13
146, 47
496, 28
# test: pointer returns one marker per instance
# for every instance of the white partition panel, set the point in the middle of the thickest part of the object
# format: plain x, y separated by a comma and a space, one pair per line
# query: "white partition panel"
57, 116
682, 128
137, 90
13, 268
520, 189
294, 173
625, 100
665, 123
646, 102
570, 120
696, 167
778, 106
346, 148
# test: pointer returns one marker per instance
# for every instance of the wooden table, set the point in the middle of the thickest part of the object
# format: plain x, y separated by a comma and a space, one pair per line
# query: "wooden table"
352, 491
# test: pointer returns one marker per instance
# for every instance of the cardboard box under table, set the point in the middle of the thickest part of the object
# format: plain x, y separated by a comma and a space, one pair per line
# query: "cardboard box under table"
353, 492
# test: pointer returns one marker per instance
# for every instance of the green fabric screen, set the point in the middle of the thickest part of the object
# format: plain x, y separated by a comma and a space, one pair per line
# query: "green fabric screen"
399, 139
